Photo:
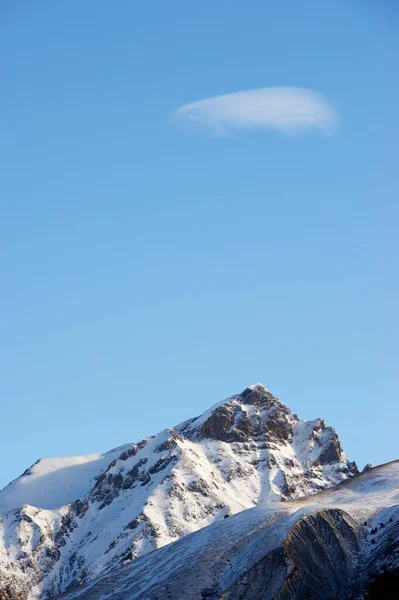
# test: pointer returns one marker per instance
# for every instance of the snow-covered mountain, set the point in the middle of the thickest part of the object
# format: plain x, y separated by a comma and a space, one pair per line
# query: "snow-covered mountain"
328, 545
67, 521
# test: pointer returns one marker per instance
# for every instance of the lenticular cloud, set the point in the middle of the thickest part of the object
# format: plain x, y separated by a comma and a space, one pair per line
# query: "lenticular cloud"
289, 110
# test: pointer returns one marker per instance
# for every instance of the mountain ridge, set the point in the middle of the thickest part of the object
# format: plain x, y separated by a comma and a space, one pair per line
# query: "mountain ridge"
244, 451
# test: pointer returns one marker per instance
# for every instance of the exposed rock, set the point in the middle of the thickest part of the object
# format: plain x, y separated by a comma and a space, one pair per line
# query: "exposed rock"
217, 427
367, 467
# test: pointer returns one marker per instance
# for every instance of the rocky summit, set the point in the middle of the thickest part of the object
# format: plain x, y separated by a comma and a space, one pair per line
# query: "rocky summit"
65, 522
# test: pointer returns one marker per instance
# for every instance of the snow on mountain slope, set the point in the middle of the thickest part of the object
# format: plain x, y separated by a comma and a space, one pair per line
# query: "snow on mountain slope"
53, 482
244, 451
326, 545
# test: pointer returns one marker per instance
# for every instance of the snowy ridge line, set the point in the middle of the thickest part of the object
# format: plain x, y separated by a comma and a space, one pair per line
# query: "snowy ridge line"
54, 482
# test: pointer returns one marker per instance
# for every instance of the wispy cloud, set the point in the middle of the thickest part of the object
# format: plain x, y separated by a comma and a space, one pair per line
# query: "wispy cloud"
288, 109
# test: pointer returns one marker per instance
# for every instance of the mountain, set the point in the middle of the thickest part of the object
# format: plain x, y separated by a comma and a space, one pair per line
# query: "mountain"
67, 521
328, 545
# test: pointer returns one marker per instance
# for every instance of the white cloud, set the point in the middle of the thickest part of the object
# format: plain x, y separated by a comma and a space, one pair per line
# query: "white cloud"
287, 109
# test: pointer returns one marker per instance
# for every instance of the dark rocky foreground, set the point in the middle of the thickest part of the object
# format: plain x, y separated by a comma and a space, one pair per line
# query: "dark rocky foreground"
322, 557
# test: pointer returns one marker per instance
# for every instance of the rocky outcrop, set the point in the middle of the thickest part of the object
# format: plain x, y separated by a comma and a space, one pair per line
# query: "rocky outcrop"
218, 426
323, 552
253, 414
324, 556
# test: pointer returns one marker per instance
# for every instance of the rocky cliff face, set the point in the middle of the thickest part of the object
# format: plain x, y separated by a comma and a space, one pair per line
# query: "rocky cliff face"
319, 558
245, 451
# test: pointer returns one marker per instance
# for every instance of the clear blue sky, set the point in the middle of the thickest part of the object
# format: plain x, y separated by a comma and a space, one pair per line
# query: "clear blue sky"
147, 270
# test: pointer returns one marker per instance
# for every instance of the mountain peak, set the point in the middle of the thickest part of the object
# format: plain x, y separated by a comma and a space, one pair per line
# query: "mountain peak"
257, 386
259, 396
254, 413
103, 510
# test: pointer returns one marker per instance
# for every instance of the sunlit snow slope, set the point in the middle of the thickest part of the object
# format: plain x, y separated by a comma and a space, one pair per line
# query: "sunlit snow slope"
54, 482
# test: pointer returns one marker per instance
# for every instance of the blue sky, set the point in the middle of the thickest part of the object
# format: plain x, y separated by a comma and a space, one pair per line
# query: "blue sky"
149, 269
